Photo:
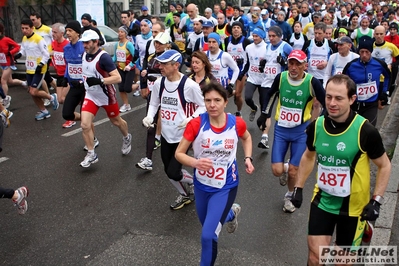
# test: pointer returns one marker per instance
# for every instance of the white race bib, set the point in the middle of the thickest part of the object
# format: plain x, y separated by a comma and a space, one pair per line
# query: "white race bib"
214, 177
316, 60
271, 70
75, 71
3, 59
366, 91
120, 55
334, 180
289, 117
31, 63
58, 58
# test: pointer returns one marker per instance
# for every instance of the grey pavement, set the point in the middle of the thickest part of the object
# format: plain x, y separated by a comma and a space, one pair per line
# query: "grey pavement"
115, 214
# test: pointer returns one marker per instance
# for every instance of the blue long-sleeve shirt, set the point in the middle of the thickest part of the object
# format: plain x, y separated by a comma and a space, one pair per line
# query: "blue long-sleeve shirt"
73, 57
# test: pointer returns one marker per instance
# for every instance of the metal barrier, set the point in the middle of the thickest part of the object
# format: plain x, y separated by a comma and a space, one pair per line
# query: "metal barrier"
52, 14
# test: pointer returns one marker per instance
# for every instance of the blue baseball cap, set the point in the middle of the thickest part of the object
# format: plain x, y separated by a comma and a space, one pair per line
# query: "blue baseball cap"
207, 24
170, 55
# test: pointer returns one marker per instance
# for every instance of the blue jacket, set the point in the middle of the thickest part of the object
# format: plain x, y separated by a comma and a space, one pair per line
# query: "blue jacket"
73, 55
361, 72
253, 25
287, 30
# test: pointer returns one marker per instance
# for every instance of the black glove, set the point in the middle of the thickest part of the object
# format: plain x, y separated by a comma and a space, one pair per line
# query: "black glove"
371, 211
76, 83
239, 61
262, 64
93, 81
383, 97
261, 121
64, 82
151, 78
39, 68
17, 56
280, 60
230, 90
297, 198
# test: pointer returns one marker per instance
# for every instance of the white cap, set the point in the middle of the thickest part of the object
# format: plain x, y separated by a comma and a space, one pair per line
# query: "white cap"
264, 12
277, 2
89, 35
162, 37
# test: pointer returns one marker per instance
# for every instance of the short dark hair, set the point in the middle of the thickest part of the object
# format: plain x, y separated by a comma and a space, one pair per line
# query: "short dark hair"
341, 78
36, 14
27, 22
177, 14
126, 12
320, 26
214, 86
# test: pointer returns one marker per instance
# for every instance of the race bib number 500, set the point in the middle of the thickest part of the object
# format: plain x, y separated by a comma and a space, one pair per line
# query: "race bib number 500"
289, 117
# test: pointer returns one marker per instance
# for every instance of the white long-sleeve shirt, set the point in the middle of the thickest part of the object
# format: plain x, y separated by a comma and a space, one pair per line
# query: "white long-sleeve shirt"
173, 112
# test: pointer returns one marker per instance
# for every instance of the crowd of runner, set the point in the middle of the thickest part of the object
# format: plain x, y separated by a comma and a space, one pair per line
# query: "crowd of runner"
323, 67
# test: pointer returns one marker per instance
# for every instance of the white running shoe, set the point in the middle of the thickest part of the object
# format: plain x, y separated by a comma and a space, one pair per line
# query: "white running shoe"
46, 102
89, 159
96, 143
233, 224
125, 108
288, 206
145, 164
7, 101
127, 144
21, 202
264, 142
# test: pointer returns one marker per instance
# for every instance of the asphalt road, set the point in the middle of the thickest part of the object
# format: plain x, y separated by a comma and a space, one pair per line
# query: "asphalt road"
115, 214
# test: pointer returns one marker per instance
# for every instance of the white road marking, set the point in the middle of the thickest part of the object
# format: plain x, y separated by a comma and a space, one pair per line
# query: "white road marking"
102, 121
3, 159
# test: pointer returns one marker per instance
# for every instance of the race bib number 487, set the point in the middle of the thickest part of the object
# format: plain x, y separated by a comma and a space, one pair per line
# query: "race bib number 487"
334, 180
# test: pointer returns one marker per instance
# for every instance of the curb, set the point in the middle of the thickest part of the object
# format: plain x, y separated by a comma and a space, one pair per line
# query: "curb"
389, 134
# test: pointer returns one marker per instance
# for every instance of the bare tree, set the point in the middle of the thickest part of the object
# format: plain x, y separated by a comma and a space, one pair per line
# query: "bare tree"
15, 21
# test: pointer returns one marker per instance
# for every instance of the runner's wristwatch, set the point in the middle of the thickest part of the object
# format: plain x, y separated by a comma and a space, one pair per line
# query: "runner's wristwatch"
378, 199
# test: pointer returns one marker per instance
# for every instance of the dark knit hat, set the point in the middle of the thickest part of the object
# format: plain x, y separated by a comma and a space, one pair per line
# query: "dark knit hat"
366, 42
237, 23
393, 25
75, 26
86, 17
277, 30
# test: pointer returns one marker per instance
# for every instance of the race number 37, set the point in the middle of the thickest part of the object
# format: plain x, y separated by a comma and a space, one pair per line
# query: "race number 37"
168, 115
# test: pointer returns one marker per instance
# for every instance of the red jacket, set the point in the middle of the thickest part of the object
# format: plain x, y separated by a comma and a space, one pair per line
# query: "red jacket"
393, 39
7, 47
